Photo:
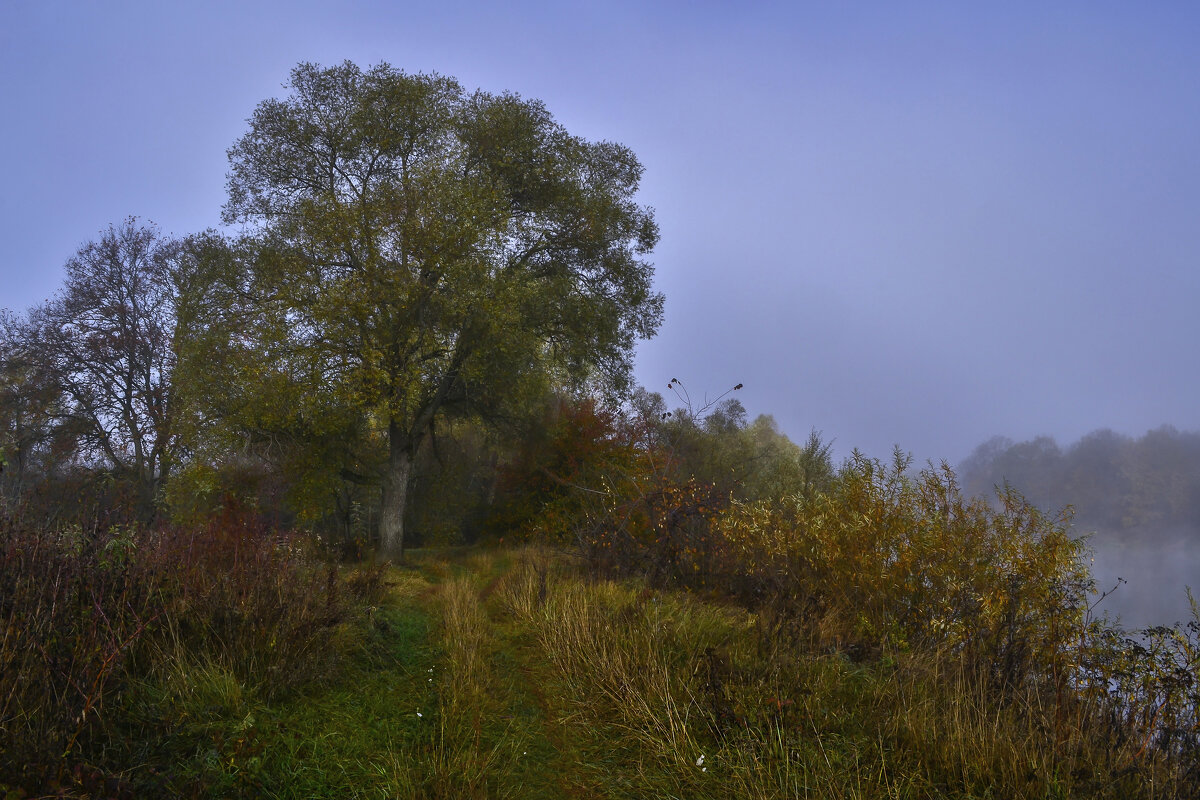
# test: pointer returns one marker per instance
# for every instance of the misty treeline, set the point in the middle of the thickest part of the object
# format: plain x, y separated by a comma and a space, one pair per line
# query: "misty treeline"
1140, 488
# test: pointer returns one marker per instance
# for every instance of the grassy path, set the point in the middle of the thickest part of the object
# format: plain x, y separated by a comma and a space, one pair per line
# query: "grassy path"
552, 761
447, 696
510, 675
476, 680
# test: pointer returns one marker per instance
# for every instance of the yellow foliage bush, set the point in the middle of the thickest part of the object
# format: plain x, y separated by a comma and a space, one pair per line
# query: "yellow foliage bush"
885, 558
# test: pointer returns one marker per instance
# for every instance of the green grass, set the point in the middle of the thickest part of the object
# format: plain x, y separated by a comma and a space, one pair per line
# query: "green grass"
337, 740
330, 744
511, 674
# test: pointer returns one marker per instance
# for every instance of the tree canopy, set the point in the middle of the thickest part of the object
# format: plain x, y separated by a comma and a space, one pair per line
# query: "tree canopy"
415, 251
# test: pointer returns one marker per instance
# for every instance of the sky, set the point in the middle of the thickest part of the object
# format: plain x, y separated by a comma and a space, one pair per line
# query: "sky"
916, 224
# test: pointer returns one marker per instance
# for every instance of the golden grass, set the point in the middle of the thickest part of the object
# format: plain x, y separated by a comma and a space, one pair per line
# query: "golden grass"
669, 678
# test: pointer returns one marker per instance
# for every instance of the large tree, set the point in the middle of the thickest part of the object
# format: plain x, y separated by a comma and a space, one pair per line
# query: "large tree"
420, 251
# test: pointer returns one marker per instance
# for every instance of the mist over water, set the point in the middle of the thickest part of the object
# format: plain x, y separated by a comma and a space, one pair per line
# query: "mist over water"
1136, 500
1157, 568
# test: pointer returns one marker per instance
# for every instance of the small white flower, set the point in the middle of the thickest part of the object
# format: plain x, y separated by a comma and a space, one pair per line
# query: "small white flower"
419, 714
700, 761
704, 769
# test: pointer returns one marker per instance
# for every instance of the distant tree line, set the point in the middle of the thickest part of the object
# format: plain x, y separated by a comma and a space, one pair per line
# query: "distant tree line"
1140, 486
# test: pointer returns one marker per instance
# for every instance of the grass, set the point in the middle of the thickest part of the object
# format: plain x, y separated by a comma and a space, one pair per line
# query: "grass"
647, 683
516, 674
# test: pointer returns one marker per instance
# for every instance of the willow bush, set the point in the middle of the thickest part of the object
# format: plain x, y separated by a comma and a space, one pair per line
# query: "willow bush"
886, 559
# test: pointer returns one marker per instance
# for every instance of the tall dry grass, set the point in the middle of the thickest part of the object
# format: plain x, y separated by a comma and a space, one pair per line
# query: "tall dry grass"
670, 677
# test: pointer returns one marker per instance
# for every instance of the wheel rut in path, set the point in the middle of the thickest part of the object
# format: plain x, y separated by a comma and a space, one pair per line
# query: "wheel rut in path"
520, 668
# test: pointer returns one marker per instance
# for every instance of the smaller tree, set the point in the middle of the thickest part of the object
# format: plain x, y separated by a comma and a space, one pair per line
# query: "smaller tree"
716, 445
94, 364
28, 406
569, 469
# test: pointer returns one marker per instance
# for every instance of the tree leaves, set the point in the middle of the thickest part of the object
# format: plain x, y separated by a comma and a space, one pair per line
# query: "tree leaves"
420, 252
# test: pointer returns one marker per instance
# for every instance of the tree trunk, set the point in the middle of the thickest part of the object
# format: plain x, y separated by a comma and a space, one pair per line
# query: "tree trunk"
147, 500
395, 495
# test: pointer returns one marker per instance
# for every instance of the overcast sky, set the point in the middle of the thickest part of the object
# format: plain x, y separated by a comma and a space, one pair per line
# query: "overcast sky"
921, 224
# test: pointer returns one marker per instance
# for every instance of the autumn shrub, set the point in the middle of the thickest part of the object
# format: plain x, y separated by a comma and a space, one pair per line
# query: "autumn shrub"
252, 598
102, 632
601, 482
562, 473
885, 559
1139, 693
665, 530
75, 611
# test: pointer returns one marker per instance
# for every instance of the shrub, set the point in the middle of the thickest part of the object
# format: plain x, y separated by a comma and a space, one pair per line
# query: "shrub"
564, 473
101, 630
889, 560
75, 610
250, 597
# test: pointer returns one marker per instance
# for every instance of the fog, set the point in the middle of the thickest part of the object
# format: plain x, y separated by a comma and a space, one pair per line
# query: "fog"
1157, 571
1136, 500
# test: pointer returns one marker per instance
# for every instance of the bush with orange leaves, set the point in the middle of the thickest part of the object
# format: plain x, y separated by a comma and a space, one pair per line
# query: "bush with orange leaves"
561, 473
601, 481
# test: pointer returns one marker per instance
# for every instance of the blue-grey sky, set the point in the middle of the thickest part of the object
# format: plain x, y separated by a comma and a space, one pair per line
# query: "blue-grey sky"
912, 223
